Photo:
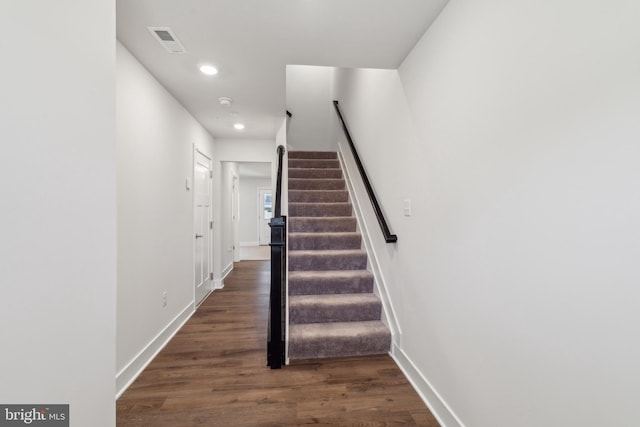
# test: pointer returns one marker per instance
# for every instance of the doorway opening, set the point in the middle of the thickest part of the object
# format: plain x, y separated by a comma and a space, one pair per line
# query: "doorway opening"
255, 181
265, 213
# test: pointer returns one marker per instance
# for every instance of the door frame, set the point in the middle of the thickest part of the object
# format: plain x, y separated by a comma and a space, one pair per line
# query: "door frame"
235, 215
209, 231
260, 212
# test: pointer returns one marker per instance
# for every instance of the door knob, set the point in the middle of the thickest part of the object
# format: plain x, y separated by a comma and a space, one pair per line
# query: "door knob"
199, 236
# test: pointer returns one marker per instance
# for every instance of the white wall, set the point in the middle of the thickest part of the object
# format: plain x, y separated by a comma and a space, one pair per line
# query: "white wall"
516, 275
309, 99
248, 226
244, 150
281, 139
155, 140
58, 186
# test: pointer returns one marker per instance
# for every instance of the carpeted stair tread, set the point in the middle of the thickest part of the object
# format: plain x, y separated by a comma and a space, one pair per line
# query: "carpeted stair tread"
333, 311
313, 241
320, 209
320, 173
313, 155
316, 184
345, 259
321, 224
313, 163
334, 308
338, 339
330, 282
318, 196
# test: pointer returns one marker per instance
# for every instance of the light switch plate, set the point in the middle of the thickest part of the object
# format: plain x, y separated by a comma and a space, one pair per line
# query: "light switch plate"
407, 207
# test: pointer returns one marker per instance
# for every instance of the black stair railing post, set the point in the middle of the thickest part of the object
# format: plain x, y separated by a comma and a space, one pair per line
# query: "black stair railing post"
277, 295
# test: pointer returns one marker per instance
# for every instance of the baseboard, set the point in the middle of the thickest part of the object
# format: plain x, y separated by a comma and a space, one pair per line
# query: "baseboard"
219, 283
226, 271
129, 373
388, 312
242, 244
438, 407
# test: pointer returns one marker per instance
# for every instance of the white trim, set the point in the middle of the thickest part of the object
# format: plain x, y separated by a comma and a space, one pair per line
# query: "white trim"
259, 213
235, 215
228, 269
436, 404
244, 244
284, 210
204, 298
134, 368
381, 285
219, 283
192, 189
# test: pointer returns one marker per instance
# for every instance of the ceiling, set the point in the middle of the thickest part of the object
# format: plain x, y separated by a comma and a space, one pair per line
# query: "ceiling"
251, 42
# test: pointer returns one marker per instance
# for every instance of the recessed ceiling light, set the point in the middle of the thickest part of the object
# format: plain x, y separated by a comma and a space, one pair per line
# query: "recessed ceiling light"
209, 70
238, 126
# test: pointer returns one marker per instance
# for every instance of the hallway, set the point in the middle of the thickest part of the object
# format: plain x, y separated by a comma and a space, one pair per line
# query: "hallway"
213, 372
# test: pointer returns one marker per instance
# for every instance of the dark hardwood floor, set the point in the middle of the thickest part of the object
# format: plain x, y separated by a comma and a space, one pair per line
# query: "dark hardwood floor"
214, 373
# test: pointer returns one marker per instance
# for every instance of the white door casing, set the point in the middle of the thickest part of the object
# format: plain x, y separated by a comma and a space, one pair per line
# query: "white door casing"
235, 216
203, 226
265, 213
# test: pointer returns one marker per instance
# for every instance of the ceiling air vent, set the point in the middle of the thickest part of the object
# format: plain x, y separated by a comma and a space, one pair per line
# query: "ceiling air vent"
167, 38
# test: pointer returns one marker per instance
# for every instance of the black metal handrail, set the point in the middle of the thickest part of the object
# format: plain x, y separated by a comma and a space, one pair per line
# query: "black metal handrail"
388, 237
277, 296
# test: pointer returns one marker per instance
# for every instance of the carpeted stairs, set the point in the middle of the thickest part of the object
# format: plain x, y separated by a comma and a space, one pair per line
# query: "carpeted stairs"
333, 311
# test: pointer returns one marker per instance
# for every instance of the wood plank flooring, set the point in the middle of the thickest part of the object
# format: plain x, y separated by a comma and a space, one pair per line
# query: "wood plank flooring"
214, 373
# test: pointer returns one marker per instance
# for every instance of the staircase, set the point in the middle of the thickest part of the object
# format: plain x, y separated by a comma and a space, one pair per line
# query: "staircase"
333, 311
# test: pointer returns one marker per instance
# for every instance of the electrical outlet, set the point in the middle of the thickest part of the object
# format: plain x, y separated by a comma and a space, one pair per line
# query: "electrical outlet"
164, 299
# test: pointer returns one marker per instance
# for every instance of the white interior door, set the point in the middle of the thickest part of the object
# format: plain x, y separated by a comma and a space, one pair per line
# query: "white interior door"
235, 216
265, 213
203, 227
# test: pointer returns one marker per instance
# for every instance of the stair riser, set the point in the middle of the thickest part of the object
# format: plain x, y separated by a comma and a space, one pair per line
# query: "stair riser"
327, 262
339, 347
313, 164
320, 209
325, 313
313, 155
324, 242
316, 184
321, 225
330, 286
315, 173
332, 309
318, 196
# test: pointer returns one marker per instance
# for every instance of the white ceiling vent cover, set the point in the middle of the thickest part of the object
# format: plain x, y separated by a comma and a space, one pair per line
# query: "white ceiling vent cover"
167, 38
